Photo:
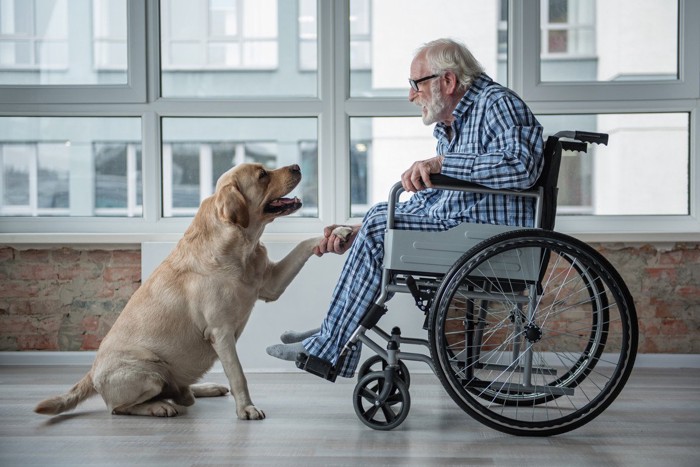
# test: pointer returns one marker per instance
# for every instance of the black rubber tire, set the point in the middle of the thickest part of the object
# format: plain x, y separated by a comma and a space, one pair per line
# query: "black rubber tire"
388, 415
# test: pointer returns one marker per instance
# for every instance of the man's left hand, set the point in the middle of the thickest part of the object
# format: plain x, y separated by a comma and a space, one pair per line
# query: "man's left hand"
417, 177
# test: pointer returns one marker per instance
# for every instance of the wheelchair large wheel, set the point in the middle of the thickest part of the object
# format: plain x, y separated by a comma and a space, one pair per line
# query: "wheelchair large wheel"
533, 333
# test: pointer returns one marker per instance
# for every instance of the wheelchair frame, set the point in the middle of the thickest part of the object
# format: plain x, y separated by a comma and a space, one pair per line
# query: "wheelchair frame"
530, 331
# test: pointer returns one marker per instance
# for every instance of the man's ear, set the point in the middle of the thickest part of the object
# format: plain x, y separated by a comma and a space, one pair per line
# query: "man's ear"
231, 206
451, 82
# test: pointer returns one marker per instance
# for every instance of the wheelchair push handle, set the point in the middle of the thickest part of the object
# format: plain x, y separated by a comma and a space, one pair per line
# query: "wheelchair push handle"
584, 136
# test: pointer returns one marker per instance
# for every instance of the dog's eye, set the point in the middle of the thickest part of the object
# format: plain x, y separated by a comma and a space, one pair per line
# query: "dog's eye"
263, 174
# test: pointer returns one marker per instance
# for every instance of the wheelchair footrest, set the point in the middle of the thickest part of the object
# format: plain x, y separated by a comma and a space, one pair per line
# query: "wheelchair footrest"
316, 366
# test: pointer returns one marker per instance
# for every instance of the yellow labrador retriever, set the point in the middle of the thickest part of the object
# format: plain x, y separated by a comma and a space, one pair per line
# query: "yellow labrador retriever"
193, 308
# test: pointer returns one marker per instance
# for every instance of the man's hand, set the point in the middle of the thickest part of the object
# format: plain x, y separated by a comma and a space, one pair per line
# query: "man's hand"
336, 239
417, 177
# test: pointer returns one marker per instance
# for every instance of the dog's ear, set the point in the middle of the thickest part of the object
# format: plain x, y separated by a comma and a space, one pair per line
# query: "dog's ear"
231, 206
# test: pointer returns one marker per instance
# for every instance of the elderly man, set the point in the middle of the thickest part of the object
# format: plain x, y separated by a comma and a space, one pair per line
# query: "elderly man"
485, 134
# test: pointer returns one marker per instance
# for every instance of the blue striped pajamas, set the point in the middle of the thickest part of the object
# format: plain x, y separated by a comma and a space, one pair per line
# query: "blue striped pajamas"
497, 143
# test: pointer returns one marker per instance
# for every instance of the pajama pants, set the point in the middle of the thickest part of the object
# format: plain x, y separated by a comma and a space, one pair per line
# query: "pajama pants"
359, 284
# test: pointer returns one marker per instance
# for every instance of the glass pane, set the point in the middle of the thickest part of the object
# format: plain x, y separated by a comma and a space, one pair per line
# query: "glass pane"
53, 176
62, 166
384, 35
43, 42
614, 44
308, 27
558, 11
196, 151
642, 171
17, 171
238, 48
118, 184
381, 149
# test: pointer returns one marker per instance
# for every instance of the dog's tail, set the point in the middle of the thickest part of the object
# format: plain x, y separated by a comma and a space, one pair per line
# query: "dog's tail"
78, 393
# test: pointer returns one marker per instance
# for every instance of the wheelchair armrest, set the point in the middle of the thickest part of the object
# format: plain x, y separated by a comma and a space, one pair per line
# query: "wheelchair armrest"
444, 182
441, 181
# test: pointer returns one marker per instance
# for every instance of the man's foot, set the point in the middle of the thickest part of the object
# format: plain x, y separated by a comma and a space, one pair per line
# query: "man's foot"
292, 337
287, 352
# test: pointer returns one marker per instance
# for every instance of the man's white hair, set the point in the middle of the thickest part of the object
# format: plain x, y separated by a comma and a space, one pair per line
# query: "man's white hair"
443, 55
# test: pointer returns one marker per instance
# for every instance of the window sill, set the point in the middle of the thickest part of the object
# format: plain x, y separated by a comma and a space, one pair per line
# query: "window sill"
134, 239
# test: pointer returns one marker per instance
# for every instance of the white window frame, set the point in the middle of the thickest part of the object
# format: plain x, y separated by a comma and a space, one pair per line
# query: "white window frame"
333, 108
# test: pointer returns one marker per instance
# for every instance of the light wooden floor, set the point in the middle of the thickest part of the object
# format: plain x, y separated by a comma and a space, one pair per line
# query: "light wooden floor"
654, 422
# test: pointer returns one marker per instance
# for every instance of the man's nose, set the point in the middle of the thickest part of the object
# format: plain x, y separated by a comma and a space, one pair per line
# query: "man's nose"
411, 94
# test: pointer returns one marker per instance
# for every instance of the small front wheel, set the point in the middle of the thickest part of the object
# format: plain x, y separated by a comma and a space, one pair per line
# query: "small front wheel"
371, 411
377, 363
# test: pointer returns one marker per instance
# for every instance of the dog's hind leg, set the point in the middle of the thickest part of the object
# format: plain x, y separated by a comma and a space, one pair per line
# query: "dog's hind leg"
208, 390
128, 393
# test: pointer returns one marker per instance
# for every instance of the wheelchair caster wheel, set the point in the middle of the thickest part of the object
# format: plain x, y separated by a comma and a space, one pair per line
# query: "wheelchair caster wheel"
377, 363
371, 411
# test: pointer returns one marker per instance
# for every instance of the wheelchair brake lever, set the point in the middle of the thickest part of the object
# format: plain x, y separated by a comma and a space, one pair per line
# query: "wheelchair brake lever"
417, 294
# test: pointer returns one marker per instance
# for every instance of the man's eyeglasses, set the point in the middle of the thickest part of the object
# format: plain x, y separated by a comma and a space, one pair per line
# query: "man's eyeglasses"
414, 82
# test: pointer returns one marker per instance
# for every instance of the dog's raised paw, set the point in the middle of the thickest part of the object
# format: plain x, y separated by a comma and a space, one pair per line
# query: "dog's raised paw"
251, 413
343, 232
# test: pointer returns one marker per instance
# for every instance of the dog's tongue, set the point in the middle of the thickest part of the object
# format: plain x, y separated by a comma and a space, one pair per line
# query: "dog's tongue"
281, 202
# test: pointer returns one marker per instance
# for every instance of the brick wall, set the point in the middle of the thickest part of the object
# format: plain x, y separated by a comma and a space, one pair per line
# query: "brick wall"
665, 283
67, 298
63, 298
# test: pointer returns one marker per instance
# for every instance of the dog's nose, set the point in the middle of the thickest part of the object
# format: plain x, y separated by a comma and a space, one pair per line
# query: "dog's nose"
295, 168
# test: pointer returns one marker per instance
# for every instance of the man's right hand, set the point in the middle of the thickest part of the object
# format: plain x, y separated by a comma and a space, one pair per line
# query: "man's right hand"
336, 239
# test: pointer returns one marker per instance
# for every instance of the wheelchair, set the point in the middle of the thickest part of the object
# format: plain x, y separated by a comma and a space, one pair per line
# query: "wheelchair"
530, 331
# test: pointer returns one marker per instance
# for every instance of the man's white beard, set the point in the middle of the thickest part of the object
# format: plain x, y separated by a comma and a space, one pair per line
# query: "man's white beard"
433, 108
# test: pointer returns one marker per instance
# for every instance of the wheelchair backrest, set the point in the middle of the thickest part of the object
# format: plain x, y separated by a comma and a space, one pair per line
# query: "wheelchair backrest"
548, 181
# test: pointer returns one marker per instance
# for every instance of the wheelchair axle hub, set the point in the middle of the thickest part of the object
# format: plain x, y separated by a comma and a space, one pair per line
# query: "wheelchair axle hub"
533, 333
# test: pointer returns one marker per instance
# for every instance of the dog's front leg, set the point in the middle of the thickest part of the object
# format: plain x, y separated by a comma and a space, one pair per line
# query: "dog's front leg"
224, 344
279, 275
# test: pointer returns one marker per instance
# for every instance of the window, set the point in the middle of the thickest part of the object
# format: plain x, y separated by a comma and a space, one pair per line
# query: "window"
61, 166
238, 48
219, 34
385, 33
615, 45
33, 35
118, 116
38, 46
627, 177
568, 27
197, 151
68, 52
308, 35
109, 36
118, 179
